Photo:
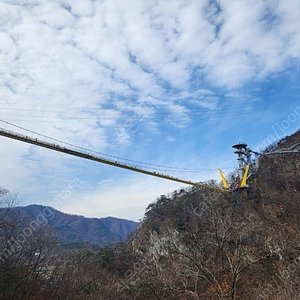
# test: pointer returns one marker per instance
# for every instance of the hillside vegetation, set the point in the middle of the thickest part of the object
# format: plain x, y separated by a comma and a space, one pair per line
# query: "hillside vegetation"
197, 244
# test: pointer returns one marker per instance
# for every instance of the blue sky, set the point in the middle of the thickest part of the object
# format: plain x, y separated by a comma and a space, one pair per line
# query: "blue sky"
170, 83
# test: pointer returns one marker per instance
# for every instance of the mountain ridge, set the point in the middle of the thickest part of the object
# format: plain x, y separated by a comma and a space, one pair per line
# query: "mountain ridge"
80, 229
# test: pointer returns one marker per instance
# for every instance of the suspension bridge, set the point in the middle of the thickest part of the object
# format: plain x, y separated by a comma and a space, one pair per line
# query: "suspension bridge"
67, 150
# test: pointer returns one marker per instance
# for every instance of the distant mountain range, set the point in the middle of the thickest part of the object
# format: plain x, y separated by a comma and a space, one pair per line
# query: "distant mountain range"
73, 229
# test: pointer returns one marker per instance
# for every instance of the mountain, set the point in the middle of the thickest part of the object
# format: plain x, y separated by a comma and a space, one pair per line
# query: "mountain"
79, 229
201, 244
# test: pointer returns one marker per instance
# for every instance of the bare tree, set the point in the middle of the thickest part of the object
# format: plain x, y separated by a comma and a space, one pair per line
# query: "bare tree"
25, 248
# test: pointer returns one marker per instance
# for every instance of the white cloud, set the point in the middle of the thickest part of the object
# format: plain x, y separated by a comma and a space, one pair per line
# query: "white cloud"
54, 15
125, 198
80, 8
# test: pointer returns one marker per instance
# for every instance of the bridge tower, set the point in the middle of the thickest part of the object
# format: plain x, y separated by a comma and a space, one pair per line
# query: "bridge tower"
244, 158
